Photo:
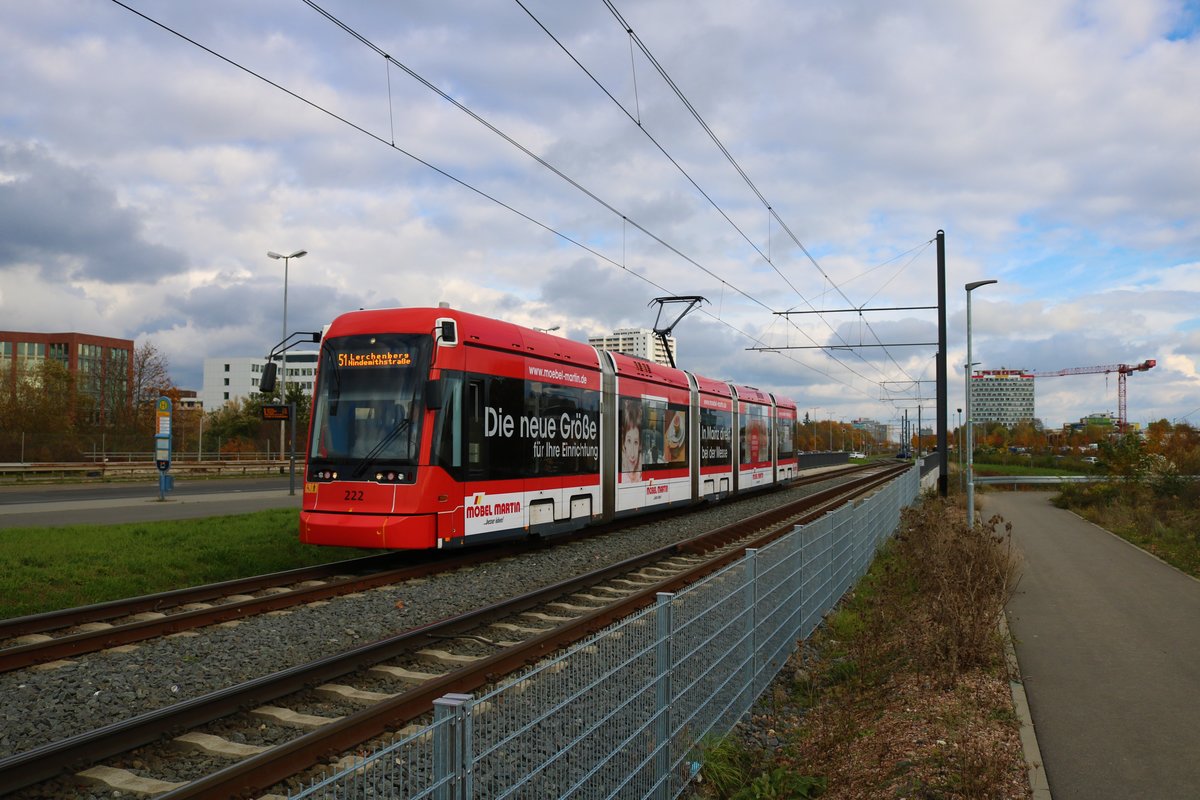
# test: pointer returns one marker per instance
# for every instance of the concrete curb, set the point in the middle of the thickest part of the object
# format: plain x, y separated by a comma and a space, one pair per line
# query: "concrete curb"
1029, 743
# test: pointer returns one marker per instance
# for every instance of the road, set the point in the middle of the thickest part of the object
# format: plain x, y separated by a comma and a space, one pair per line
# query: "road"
1109, 649
54, 505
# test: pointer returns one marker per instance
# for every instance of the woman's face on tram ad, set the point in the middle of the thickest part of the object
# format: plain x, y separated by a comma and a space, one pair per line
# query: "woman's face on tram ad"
631, 450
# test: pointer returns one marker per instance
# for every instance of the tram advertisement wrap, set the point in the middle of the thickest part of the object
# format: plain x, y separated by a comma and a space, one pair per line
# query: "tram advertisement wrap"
652, 436
527, 429
716, 432
569, 435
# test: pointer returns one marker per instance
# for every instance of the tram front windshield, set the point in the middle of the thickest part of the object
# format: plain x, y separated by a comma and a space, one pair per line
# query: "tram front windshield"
367, 405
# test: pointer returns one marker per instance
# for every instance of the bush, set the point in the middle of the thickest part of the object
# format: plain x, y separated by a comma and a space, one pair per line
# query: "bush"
965, 577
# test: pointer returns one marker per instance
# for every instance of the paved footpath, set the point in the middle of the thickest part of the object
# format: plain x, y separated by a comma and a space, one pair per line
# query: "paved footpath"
1108, 639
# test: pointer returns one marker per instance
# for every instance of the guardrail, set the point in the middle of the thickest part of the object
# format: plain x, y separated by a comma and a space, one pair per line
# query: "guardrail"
109, 470
1042, 479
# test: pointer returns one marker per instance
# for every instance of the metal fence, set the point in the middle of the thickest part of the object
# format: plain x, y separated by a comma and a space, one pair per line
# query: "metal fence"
628, 712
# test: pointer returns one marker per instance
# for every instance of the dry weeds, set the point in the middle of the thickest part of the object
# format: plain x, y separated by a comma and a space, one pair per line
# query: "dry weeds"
904, 693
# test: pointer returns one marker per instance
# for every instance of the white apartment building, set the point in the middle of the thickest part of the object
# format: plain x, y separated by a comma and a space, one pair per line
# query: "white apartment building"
637, 342
233, 378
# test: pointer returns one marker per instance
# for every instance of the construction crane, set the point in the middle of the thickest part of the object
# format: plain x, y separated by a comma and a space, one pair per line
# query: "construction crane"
1122, 371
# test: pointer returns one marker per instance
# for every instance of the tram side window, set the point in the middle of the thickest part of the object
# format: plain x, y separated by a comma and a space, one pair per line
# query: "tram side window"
563, 429
785, 435
716, 431
755, 435
494, 449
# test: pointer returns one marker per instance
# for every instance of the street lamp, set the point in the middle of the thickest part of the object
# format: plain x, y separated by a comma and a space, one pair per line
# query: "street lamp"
970, 421
283, 364
546, 330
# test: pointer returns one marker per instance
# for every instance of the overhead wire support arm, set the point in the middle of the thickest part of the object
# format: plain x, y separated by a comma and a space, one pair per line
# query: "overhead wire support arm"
664, 332
842, 346
853, 310
850, 346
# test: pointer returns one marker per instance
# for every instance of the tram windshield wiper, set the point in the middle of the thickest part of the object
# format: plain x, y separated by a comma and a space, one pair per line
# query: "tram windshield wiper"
379, 448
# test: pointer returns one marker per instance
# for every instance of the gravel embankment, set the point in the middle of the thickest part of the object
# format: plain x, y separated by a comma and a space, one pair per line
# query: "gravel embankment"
41, 706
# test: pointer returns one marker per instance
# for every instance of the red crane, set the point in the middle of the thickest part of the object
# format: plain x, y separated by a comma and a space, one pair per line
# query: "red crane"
1122, 371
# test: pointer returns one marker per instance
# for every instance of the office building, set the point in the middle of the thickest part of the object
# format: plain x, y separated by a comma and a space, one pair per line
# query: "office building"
231, 379
102, 365
639, 343
877, 431
1002, 395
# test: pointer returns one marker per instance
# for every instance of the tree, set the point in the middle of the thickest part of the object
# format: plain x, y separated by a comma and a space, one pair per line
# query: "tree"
151, 375
130, 423
41, 410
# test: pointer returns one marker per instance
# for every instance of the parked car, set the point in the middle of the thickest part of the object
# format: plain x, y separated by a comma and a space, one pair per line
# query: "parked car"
1090, 460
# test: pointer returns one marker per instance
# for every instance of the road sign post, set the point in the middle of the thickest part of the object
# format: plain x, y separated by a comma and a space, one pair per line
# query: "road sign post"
162, 447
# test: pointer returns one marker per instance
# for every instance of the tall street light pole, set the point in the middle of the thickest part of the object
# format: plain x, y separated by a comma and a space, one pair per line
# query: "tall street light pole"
283, 365
970, 420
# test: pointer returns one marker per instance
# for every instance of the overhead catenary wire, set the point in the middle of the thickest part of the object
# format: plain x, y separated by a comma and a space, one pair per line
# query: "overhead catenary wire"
575, 184
626, 220
738, 168
487, 196
637, 120
769, 208
510, 140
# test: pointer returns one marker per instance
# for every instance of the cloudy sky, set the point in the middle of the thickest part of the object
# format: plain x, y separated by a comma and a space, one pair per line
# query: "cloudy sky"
540, 161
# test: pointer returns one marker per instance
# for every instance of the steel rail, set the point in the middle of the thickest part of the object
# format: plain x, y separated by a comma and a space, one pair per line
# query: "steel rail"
26, 655
21, 656
113, 609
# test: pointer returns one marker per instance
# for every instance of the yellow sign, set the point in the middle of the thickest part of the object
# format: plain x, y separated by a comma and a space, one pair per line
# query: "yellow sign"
374, 359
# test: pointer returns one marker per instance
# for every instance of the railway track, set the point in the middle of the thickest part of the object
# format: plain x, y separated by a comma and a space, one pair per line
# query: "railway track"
53, 636
396, 679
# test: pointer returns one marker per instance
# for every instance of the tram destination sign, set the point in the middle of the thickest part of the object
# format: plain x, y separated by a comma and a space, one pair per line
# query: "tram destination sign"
276, 412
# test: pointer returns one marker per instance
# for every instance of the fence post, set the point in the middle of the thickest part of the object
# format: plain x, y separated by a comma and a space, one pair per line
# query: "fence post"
451, 751
750, 598
664, 626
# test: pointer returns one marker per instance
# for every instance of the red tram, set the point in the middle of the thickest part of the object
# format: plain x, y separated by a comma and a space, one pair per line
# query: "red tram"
432, 427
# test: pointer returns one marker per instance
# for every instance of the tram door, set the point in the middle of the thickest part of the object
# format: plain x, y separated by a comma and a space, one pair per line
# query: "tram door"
495, 485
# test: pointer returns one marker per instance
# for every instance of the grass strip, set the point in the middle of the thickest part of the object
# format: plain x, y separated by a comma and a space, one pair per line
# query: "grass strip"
44, 569
1162, 520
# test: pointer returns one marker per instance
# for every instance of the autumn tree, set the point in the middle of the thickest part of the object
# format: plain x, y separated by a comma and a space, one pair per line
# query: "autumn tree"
151, 375
40, 414
131, 425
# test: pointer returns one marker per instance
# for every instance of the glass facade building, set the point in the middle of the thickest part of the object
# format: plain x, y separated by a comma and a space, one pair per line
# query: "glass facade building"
1002, 395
